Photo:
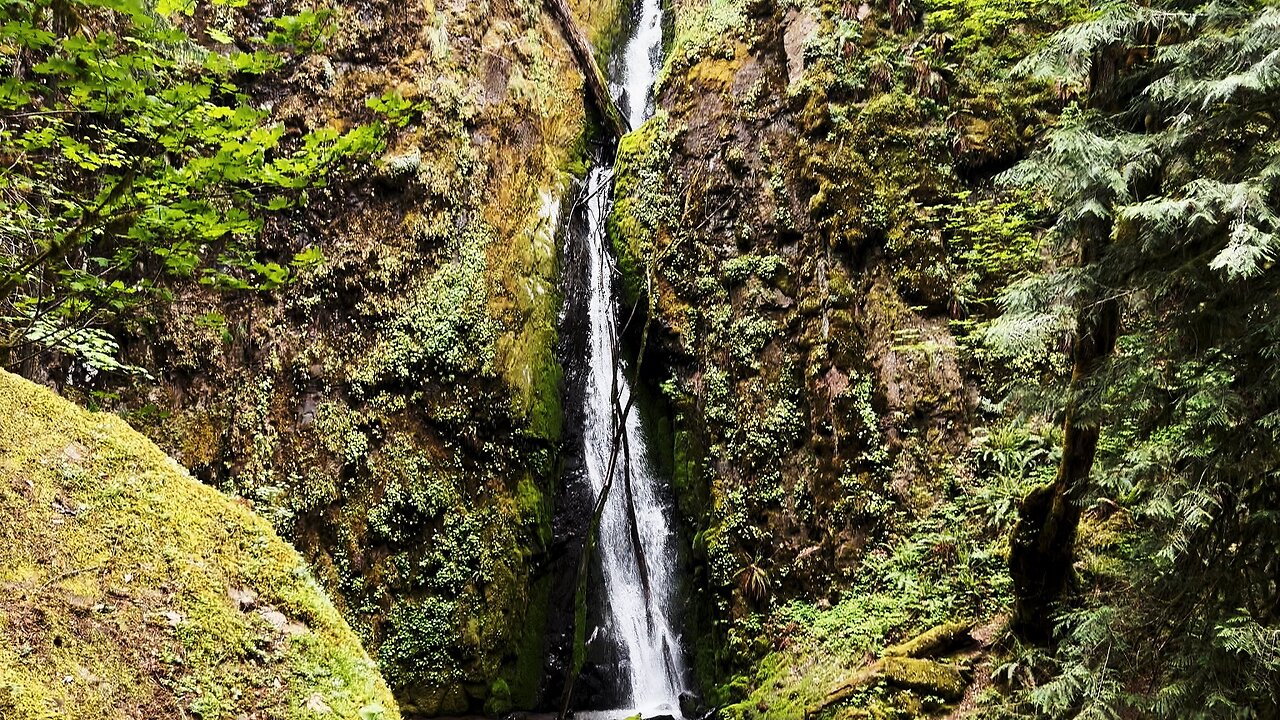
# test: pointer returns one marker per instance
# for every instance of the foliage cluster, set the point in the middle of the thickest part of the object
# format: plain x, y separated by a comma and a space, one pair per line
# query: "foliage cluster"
944, 566
1163, 180
132, 157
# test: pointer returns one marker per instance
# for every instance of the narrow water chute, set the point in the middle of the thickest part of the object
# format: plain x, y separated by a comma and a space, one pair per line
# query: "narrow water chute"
635, 537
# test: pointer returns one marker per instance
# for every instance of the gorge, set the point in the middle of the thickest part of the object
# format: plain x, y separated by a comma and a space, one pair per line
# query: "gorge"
630, 519
741, 359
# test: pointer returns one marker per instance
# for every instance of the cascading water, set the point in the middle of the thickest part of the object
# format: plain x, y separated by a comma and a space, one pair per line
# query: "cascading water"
635, 544
633, 80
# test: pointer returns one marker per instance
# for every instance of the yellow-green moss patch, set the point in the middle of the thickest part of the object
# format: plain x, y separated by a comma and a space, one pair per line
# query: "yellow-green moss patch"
129, 590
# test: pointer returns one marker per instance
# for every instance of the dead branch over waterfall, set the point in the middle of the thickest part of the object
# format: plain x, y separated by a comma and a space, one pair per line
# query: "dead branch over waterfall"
593, 78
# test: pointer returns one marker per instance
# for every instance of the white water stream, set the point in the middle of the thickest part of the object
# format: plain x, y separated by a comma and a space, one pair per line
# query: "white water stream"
632, 85
640, 581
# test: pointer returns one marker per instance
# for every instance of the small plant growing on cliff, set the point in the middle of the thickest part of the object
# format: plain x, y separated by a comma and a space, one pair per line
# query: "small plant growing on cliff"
131, 160
903, 15
754, 581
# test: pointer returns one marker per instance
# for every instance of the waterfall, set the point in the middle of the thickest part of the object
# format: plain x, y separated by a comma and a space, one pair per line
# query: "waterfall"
633, 80
635, 539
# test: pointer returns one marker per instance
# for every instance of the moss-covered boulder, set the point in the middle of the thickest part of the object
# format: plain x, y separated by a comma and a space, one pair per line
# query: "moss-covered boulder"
129, 590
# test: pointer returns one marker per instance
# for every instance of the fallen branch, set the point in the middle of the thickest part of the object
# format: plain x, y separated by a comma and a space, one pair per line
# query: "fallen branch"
938, 641
904, 666
68, 575
592, 76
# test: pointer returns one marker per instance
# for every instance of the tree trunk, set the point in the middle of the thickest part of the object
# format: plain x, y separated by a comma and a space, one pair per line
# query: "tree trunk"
592, 77
1042, 549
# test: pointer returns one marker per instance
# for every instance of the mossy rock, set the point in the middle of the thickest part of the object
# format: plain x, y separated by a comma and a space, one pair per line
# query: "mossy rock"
924, 676
129, 590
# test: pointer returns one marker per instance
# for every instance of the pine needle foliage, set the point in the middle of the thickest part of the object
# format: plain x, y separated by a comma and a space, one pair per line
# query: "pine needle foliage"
1167, 165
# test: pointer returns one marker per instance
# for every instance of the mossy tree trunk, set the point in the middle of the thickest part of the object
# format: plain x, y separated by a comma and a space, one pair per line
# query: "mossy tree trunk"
593, 77
1042, 549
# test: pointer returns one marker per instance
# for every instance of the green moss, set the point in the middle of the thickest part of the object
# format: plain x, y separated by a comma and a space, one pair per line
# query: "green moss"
643, 210
416, 653
441, 328
744, 267
605, 21
926, 677
579, 156
131, 590
706, 29
526, 302
936, 639
525, 678
534, 508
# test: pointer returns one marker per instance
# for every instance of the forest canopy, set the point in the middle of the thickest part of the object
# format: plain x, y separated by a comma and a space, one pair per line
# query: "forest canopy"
1164, 175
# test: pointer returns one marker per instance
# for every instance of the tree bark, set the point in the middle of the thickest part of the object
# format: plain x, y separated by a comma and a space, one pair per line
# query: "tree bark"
593, 77
60, 247
1042, 549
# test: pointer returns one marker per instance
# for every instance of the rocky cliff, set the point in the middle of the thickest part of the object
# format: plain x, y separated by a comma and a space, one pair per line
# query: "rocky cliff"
813, 219
396, 412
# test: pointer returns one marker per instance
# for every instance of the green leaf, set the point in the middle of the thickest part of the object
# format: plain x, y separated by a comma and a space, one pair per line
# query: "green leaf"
170, 7
309, 258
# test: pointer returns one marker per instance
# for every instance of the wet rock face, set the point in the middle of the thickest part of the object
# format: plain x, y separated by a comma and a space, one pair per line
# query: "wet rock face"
801, 212
786, 321
691, 706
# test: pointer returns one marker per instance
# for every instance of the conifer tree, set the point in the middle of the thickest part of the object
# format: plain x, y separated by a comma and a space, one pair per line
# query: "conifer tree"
1165, 177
